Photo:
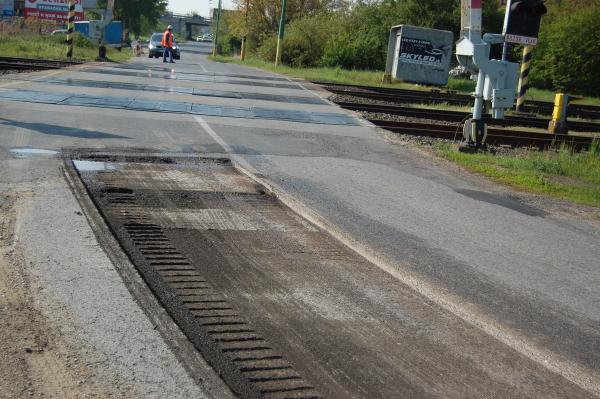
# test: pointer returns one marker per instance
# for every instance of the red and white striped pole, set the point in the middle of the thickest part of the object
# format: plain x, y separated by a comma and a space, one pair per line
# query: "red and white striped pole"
475, 18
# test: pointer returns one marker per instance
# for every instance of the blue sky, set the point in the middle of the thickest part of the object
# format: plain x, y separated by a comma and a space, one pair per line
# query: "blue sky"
202, 7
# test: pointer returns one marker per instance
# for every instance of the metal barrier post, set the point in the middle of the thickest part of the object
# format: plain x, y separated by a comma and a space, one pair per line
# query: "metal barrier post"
214, 52
244, 43
280, 36
524, 77
70, 28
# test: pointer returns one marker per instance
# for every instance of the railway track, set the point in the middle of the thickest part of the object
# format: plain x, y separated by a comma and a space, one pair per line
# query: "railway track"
457, 116
31, 64
495, 136
405, 96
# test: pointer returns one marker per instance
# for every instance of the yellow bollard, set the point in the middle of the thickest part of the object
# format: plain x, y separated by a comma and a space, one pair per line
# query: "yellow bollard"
558, 123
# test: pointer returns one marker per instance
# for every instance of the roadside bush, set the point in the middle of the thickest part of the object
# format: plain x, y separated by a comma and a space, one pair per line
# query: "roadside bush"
304, 40
354, 51
268, 47
568, 54
79, 40
229, 44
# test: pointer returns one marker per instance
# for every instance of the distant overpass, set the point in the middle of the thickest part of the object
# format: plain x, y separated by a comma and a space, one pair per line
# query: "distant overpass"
186, 25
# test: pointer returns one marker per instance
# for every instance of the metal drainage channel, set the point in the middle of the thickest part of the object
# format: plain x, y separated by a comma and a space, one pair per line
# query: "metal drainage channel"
182, 90
191, 78
250, 365
131, 103
146, 67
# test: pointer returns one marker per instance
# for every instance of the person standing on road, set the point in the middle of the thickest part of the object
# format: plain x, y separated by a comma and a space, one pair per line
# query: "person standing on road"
167, 43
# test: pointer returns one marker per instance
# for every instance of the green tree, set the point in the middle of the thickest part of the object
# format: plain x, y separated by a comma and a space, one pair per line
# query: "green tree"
258, 19
304, 39
567, 57
137, 14
363, 42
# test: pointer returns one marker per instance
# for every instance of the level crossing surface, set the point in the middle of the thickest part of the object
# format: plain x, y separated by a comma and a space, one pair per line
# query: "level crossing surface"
462, 290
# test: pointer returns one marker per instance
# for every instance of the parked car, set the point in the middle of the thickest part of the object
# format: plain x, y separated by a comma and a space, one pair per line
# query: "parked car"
207, 37
155, 47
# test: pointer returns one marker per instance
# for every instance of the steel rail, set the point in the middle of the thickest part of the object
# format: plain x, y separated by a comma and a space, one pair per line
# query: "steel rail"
458, 116
495, 136
16, 63
437, 96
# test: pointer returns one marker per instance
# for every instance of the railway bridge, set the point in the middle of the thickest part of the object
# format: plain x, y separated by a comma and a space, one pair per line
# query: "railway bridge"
187, 25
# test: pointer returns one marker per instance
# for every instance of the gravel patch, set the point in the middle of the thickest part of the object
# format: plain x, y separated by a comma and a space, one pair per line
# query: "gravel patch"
345, 98
382, 116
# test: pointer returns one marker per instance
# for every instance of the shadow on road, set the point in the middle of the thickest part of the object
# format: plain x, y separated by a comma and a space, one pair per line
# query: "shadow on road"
56, 130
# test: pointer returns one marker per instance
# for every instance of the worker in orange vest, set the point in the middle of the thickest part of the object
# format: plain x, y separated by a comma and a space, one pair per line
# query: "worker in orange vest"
167, 43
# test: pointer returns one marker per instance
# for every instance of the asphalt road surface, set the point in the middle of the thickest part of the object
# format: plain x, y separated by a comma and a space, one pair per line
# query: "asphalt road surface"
462, 290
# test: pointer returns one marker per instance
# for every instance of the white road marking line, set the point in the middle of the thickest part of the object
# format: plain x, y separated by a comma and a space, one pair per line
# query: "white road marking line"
228, 150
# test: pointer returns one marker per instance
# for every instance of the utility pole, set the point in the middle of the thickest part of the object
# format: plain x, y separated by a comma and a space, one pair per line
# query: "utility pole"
280, 36
216, 41
244, 44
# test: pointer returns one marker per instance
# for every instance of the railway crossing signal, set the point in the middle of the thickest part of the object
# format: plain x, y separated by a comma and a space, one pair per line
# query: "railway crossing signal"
522, 21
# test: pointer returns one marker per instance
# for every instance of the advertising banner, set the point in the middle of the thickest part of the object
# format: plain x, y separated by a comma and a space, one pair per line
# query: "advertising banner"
55, 10
419, 51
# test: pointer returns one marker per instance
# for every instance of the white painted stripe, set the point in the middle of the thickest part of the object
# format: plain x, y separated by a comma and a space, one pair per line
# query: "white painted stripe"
228, 150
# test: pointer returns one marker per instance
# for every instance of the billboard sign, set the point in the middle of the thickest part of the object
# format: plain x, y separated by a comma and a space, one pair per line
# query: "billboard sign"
54, 10
419, 55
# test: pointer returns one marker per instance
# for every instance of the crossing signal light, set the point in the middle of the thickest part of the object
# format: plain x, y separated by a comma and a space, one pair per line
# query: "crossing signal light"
522, 20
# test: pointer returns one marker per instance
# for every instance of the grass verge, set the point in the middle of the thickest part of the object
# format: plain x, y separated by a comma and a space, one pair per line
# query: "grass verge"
559, 174
373, 78
54, 48
333, 75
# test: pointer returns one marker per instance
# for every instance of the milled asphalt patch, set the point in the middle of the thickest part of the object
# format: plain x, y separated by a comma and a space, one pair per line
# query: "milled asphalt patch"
213, 244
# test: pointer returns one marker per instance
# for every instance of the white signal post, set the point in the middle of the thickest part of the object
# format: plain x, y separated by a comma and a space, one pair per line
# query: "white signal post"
476, 16
496, 79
